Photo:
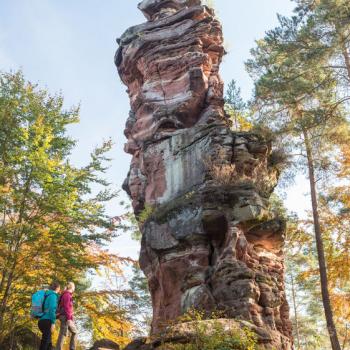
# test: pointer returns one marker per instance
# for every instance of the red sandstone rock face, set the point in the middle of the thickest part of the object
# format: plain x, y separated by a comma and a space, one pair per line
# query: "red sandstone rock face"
173, 85
210, 240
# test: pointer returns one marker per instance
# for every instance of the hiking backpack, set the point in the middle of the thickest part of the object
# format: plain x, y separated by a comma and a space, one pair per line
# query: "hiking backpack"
38, 301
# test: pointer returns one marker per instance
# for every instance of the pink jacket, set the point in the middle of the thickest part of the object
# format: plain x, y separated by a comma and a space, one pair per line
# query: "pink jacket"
66, 305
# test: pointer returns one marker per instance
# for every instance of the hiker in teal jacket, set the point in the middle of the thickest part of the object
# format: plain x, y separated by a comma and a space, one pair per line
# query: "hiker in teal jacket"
47, 322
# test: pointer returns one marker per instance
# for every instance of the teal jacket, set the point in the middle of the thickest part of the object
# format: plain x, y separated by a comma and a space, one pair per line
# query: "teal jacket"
50, 306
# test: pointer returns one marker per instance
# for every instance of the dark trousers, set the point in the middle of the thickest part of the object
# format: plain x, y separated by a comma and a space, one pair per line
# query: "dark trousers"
45, 329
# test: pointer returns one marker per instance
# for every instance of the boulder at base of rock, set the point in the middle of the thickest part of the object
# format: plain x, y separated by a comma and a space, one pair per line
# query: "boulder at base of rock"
224, 333
139, 344
105, 344
21, 338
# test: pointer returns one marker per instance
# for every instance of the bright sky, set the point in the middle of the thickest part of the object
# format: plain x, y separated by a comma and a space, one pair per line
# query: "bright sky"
68, 46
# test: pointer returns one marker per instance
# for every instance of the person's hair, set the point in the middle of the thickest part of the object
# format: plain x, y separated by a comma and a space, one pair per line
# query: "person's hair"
70, 285
54, 285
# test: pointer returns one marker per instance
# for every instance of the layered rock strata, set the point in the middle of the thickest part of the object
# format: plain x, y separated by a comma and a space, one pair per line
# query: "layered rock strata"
200, 191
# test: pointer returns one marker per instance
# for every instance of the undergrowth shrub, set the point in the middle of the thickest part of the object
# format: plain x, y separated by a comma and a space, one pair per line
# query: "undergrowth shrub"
214, 335
253, 173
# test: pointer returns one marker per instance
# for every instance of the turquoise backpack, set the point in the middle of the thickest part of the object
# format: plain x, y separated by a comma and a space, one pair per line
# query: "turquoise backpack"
38, 301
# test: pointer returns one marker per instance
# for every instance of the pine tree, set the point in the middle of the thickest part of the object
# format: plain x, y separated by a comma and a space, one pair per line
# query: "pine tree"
140, 299
236, 108
327, 22
297, 98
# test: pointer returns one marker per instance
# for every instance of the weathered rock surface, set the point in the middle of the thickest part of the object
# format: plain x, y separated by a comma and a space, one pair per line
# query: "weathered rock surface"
209, 239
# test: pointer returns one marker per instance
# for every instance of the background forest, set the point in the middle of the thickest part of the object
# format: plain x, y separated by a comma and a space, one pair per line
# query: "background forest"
54, 218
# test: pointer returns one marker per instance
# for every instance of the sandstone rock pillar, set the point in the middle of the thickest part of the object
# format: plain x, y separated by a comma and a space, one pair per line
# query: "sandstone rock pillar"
200, 190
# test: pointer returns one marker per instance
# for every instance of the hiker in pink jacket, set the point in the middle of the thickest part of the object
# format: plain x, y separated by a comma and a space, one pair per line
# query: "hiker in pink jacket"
66, 312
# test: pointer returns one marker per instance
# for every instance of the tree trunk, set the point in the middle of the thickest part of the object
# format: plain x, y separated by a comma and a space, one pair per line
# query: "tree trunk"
346, 59
345, 340
16, 241
295, 311
320, 248
3, 302
2, 280
343, 45
8, 285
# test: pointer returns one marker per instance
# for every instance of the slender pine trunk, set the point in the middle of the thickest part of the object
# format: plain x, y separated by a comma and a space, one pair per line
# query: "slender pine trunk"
343, 46
320, 248
295, 311
347, 60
